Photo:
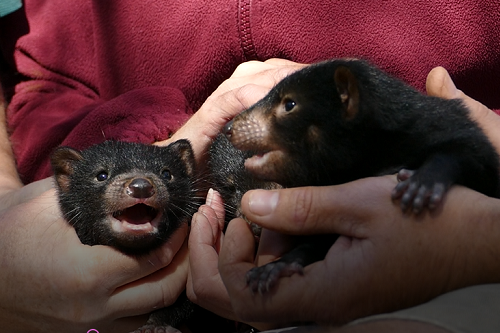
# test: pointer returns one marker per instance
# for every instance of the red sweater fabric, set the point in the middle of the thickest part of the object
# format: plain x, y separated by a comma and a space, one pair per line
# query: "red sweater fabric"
136, 70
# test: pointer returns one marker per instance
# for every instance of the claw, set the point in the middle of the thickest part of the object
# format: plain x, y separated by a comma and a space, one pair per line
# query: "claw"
263, 279
437, 195
400, 189
405, 174
420, 199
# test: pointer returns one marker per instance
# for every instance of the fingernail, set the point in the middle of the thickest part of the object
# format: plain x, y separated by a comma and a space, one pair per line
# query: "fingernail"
262, 202
210, 197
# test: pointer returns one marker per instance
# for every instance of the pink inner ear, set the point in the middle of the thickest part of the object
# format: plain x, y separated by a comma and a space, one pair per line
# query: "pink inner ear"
347, 87
62, 181
185, 150
187, 158
62, 160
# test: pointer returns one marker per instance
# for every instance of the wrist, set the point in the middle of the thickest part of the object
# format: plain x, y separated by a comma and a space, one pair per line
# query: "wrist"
480, 248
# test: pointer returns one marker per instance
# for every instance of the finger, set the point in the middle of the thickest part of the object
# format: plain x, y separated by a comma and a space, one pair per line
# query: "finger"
108, 267
214, 201
237, 252
202, 242
283, 62
120, 269
205, 124
342, 209
236, 259
26, 193
205, 286
440, 84
273, 245
155, 291
249, 68
288, 67
266, 73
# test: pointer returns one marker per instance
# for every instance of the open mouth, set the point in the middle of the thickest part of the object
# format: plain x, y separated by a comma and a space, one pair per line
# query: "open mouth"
137, 219
264, 164
257, 160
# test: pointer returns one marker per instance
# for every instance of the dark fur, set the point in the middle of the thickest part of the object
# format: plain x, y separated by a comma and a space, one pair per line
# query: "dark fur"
229, 177
87, 202
341, 120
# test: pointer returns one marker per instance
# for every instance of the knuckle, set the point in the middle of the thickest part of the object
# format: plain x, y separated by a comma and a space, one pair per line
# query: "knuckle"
198, 289
84, 283
192, 294
249, 94
169, 296
303, 212
200, 293
161, 258
243, 92
273, 60
282, 72
245, 68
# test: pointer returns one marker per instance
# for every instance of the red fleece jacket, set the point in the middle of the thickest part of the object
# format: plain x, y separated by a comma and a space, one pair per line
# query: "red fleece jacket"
136, 70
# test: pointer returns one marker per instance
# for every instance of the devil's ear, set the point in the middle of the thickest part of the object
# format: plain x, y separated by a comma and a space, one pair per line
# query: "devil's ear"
63, 160
186, 153
347, 88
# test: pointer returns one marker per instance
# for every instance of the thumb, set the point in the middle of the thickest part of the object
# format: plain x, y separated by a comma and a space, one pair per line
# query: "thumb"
440, 84
344, 209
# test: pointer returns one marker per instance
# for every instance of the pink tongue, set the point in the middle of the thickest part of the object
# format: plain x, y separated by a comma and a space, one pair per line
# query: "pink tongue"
138, 214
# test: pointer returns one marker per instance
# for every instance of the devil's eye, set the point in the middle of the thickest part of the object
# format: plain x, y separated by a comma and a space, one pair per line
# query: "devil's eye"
102, 176
165, 174
289, 105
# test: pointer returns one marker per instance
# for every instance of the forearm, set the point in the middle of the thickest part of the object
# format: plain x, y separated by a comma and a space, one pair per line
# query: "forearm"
9, 178
480, 248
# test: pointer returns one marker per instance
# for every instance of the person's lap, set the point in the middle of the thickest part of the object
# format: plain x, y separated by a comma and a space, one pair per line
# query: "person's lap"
468, 310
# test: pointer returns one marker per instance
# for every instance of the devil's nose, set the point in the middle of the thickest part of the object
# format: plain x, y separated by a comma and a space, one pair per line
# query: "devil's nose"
140, 188
228, 129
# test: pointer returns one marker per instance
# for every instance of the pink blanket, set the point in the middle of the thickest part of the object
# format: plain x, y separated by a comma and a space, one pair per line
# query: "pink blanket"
136, 70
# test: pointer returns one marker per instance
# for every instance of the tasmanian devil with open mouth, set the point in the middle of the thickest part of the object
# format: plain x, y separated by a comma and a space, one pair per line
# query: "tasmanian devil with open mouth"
132, 197
129, 196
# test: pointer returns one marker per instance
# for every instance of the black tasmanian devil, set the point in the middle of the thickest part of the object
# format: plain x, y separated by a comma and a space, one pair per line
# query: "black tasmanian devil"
129, 196
345, 119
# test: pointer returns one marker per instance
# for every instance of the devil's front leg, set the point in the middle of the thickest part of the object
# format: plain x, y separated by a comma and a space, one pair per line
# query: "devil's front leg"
427, 186
262, 279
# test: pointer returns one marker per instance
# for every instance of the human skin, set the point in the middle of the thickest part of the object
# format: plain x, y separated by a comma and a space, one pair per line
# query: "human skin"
381, 255
50, 282
250, 82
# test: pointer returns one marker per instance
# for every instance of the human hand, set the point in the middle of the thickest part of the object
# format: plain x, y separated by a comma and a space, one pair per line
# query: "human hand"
205, 286
50, 282
383, 261
440, 84
250, 82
